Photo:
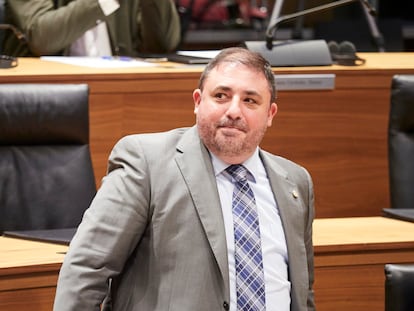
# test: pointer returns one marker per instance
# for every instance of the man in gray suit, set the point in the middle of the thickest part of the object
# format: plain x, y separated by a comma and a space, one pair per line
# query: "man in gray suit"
160, 228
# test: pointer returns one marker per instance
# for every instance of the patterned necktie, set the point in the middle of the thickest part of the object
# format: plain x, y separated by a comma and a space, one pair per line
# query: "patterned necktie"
248, 254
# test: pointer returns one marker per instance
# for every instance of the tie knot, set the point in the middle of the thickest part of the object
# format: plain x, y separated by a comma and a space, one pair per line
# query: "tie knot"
238, 172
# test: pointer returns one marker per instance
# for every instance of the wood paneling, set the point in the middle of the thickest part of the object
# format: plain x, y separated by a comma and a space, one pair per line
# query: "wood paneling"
350, 254
28, 274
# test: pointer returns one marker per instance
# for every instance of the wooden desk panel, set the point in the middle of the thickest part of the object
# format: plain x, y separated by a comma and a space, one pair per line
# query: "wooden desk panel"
339, 135
350, 254
28, 274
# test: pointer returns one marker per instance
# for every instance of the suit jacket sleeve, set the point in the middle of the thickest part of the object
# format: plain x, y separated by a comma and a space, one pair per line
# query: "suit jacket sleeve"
50, 31
108, 233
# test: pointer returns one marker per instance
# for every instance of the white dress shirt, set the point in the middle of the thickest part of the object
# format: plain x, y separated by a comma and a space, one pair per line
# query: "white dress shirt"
95, 42
274, 248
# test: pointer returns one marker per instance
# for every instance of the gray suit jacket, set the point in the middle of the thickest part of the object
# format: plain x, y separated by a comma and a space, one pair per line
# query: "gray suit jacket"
156, 228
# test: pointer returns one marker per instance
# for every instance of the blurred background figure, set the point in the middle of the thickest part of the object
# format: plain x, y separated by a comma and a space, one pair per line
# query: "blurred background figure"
92, 27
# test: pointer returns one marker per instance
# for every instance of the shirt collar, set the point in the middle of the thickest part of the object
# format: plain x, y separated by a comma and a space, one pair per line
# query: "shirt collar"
252, 165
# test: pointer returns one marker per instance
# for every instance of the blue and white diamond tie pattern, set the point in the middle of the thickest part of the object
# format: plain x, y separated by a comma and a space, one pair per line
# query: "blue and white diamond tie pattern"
248, 254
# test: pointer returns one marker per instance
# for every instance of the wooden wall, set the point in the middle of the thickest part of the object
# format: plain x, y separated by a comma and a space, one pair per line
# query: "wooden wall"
338, 135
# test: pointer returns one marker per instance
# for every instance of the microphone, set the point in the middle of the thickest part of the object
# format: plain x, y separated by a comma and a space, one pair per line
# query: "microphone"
273, 26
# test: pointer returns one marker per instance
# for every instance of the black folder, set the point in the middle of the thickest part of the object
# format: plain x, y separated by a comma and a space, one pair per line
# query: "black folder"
406, 214
185, 59
59, 236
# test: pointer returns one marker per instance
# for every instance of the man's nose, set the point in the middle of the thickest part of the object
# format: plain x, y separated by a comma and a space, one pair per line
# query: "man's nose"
234, 108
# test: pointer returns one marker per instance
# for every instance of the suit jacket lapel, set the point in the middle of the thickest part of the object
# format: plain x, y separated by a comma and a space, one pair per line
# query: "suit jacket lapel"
286, 195
195, 164
291, 213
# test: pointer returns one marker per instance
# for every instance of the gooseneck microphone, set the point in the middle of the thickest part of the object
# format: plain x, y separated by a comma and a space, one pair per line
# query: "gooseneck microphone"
273, 25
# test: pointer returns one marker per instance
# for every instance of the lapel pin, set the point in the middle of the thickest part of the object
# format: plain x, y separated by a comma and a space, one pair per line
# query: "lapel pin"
295, 194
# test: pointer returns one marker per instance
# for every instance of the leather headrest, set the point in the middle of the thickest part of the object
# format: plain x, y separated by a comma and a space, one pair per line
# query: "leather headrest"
402, 98
38, 114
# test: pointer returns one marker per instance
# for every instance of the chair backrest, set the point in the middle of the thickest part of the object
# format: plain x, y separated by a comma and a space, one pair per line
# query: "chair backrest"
46, 174
399, 287
401, 142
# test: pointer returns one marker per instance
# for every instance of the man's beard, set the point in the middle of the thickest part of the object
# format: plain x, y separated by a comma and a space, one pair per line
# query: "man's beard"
227, 145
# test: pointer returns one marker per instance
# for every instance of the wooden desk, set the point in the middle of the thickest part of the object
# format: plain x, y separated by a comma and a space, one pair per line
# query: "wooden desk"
339, 135
28, 274
350, 254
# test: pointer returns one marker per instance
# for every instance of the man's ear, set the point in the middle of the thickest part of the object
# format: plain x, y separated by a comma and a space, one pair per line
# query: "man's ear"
272, 113
196, 99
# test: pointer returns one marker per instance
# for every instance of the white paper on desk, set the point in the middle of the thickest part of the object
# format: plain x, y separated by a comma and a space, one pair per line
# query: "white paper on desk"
98, 62
205, 53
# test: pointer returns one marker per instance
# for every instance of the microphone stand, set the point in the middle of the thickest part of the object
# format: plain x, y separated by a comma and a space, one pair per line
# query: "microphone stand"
297, 30
276, 21
377, 37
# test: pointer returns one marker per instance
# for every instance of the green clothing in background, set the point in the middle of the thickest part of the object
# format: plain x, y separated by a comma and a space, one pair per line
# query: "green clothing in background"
145, 26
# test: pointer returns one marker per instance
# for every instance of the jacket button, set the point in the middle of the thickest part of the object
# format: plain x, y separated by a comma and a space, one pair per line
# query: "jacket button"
226, 306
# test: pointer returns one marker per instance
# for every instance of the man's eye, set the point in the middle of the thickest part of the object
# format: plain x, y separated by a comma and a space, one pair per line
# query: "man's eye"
220, 95
250, 100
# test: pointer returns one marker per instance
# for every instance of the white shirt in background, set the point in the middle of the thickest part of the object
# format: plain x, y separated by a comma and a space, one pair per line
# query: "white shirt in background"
95, 42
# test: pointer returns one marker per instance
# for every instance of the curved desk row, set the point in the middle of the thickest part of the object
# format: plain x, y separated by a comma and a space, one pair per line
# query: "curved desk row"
350, 254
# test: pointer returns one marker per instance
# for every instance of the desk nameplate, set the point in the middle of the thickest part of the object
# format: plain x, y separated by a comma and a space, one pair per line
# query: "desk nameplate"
305, 82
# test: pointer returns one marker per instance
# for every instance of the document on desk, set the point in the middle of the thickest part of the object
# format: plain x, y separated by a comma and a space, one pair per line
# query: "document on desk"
192, 57
183, 57
100, 62
201, 53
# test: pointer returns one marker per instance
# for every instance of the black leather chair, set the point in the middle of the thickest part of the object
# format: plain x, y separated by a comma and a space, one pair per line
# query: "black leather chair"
401, 142
399, 287
46, 174
401, 147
